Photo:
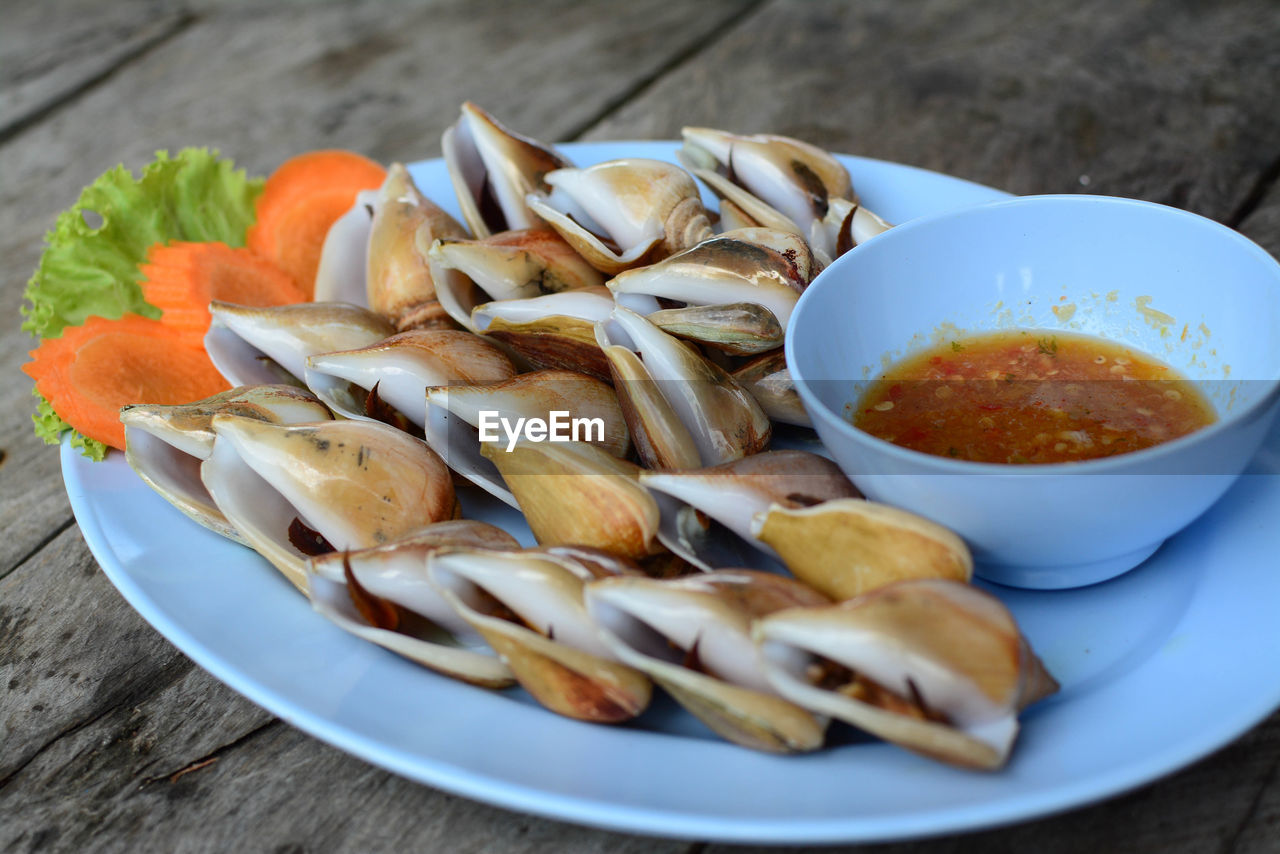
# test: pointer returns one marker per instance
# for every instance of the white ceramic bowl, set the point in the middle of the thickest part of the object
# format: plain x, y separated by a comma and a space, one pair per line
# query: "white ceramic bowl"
1009, 264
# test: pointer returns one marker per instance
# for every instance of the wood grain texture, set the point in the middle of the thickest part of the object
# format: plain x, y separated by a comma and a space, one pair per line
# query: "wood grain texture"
52, 50
1170, 101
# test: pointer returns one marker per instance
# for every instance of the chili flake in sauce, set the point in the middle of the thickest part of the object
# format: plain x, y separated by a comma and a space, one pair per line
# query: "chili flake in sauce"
1031, 396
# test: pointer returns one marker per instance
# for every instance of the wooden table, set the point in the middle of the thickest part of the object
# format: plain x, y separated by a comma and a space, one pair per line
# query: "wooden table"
113, 740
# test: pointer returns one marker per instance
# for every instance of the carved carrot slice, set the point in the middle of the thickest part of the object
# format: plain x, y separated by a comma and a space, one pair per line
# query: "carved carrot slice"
91, 371
181, 279
300, 201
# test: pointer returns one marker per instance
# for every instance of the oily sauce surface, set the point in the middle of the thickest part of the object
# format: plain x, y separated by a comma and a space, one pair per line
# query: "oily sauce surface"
1031, 396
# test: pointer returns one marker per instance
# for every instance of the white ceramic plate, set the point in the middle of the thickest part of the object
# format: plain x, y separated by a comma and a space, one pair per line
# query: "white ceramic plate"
1158, 667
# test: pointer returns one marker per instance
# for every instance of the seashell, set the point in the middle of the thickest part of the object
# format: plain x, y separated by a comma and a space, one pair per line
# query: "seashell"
935, 666
509, 265
528, 606
779, 182
493, 169
771, 384
400, 281
258, 346
352, 484
729, 268
402, 368
165, 445
624, 213
344, 257
683, 411
383, 594
551, 331
850, 546
734, 492
573, 493
741, 328
692, 636
849, 224
453, 416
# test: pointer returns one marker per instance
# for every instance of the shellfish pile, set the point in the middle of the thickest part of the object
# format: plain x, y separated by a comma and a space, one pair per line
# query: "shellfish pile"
612, 293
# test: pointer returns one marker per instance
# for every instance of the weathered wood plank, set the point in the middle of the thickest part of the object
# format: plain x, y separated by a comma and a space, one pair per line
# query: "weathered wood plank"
1262, 225
72, 650
263, 84
1196, 811
196, 768
54, 49
1167, 101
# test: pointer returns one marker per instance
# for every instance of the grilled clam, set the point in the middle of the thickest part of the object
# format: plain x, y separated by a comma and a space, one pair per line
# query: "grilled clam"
528, 606
691, 636
299, 490
755, 266
166, 444
401, 369
935, 666
509, 265
344, 257
769, 380
257, 346
733, 493
850, 546
493, 169
575, 494
383, 594
683, 411
401, 284
624, 213
776, 181
551, 331
454, 417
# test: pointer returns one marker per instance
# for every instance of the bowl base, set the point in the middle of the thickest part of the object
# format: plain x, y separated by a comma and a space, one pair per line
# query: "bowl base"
1062, 577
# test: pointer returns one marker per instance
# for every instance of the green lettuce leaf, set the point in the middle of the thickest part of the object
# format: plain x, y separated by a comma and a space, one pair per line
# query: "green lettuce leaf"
50, 428
89, 270
90, 267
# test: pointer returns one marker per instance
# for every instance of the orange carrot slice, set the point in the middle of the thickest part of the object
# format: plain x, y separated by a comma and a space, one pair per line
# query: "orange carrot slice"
181, 278
300, 201
91, 371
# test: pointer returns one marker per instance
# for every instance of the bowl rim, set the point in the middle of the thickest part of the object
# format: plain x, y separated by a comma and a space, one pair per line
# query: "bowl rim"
946, 465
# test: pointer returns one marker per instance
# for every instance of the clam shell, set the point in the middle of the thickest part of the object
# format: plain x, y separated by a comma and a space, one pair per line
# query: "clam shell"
344, 258
780, 177
400, 282
740, 329
551, 331
734, 492
623, 213
453, 417
356, 483
165, 445
722, 419
403, 367
661, 627
573, 493
493, 168
553, 647
395, 574
244, 341
508, 265
950, 668
850, 546
729, 268
769, 381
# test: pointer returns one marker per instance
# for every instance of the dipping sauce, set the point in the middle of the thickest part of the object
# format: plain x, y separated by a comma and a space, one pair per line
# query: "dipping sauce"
1031, 396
